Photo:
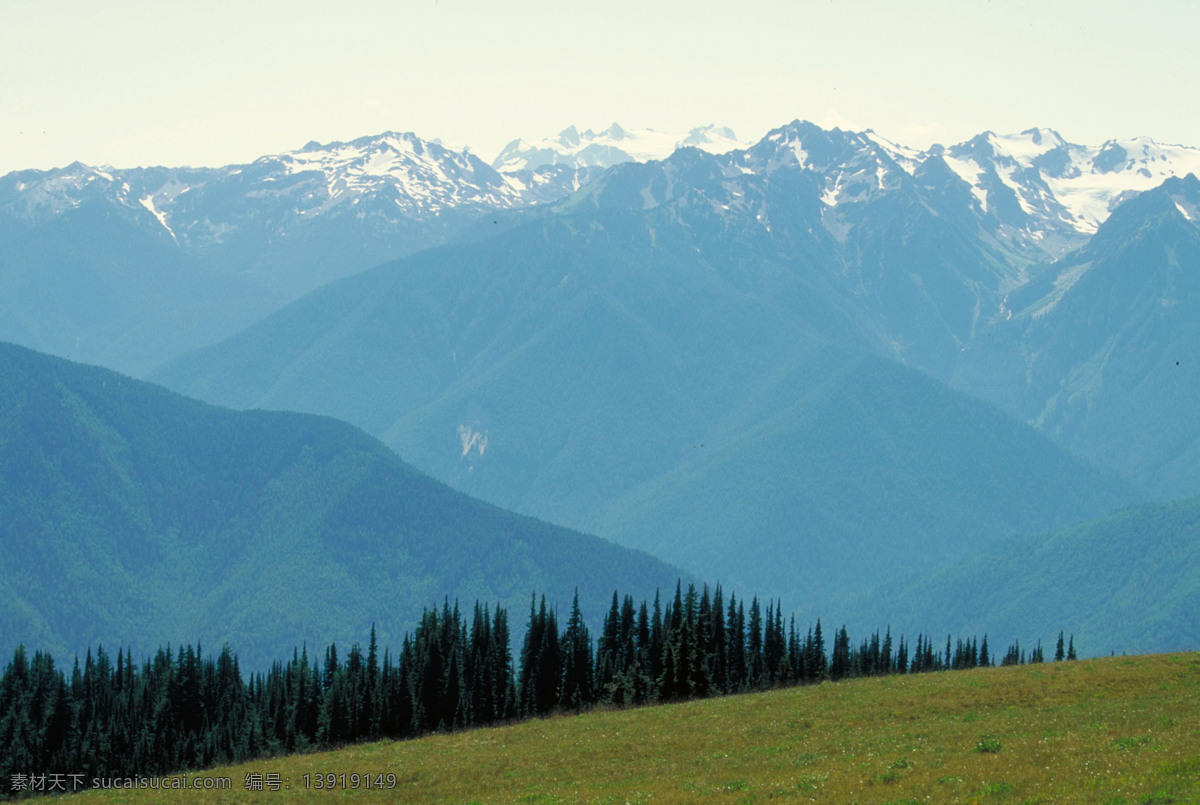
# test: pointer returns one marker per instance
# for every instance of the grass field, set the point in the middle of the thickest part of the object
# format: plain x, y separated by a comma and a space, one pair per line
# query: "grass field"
1115, 730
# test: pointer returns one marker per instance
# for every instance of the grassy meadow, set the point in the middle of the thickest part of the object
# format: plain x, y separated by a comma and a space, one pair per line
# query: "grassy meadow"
1112, 730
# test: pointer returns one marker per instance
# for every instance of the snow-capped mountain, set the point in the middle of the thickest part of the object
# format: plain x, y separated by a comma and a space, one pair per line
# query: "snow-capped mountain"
420, 177
1038, 192
1049, 187
1035, 188
611, 147
391, 176
287, 223
854, 167
248, 238
1033, 192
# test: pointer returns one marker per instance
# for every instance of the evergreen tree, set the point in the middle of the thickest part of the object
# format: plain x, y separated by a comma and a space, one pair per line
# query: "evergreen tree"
718, 644
736, 647
839, 665
576, 686
639, 686
755, 666
657, 642
901, 664
816, 661
609, 653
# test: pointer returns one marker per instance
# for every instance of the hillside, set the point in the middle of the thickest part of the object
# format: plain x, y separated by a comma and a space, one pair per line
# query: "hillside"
626, 372
848, 470
135, 517
1126, 582
1119, 730
1099, 353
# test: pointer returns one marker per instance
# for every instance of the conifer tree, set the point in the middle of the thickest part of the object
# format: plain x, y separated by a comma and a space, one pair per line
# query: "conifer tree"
609, 652
696, 629
657, 641
718, 644
755, 667
576, 686
641, 683
839, 665
736, 651
817, 661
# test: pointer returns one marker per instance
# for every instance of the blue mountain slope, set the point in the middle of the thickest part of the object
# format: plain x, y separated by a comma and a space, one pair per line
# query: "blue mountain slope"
136, 517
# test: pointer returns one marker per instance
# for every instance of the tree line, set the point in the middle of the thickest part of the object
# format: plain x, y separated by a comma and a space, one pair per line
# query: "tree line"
179, 710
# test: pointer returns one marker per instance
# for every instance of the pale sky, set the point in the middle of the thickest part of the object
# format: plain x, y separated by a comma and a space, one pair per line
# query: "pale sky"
175, 82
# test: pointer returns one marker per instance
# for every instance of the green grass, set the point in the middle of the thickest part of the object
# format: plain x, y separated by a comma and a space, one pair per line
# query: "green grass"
1116, 730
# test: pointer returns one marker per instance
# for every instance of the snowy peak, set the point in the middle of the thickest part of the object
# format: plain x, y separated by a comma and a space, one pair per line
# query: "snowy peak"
37, 195
612, 146
54, 191
1038, 181
1184, 195
792, 144
853, 167
909, 159
1031, 144
389, 178
415, 173
1034, 190
568, 137
615, 133
400, 175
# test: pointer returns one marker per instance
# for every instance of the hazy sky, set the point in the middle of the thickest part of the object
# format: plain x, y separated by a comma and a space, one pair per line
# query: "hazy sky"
171, 82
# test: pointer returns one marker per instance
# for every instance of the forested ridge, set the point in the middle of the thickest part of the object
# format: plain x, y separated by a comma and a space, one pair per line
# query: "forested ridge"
136, 517
180, 710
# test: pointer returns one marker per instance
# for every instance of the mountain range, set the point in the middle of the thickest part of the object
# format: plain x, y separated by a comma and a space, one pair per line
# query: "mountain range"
181, 257
610, 147
1098, 351
679, 357
821, 366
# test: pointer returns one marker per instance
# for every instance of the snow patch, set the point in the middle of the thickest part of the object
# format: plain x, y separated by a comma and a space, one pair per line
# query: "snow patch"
829, 197
471, 439
801, 155
971, 173
148, 203
909, 159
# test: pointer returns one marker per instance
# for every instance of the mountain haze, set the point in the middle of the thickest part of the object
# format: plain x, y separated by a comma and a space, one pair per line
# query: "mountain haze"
610, 147
135, 517
741, 359
182, 257
1125, 583
1100, 352
204, 252
677, 359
